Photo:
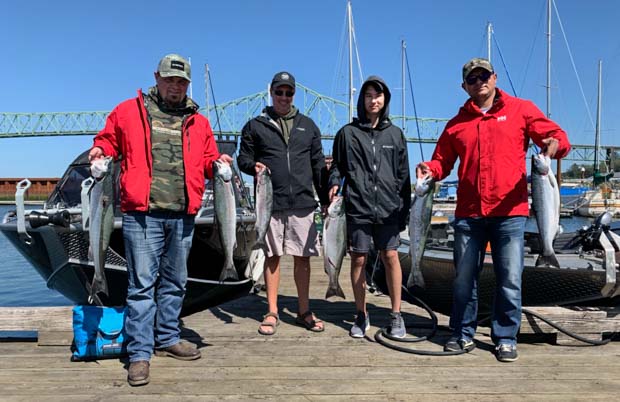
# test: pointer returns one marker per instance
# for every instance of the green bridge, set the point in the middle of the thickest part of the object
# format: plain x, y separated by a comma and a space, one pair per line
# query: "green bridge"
228, 118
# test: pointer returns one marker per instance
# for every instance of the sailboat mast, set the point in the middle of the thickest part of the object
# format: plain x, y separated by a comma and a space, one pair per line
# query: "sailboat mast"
549, 58
207, 90
403, 47
597, 140
350, 29
489, 33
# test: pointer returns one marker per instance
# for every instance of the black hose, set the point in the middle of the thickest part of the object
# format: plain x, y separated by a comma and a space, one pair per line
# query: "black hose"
381, 335
591, 342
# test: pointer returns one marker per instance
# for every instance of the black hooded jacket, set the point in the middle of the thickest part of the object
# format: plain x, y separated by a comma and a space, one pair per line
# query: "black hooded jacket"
295, 166
375, 166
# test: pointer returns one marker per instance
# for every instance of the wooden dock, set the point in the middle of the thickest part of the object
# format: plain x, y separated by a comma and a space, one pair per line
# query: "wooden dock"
238, 364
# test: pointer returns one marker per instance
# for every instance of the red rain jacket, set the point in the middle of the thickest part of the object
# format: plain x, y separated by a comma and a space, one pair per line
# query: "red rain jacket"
127, 132
491, 149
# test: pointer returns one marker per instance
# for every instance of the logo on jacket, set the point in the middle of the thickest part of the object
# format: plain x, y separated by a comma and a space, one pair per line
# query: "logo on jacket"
387, 146
501, 118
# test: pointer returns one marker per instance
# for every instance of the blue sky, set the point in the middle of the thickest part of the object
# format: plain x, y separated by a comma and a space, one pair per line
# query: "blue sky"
89, 55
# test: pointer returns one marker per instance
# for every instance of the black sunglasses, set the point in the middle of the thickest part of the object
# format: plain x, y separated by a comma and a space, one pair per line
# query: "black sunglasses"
279, 92
483, 77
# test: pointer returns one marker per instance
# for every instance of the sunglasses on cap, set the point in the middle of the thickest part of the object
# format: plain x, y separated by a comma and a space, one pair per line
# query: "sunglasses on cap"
483, 77
279, 92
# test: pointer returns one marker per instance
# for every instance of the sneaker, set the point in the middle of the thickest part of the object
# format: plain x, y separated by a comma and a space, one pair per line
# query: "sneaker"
180, 351
459, 345
360, 326
397, 326
138, 373
506, 352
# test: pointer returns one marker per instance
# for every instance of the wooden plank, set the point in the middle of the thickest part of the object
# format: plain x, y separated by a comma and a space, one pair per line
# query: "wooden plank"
36, 318
238, 364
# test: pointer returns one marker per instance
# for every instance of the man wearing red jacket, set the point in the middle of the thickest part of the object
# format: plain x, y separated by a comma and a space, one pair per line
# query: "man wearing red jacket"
167, 149
490, 137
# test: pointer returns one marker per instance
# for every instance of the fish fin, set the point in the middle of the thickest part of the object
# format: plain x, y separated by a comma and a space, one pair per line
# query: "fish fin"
415, 280
547, 261
334, 291
229, 272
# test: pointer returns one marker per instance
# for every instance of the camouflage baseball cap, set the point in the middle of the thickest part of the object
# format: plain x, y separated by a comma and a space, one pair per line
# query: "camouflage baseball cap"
173, 65
476, 63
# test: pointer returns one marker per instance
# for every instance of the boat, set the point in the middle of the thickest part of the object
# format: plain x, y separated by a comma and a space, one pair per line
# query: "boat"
595, 202
588, 273
54, 241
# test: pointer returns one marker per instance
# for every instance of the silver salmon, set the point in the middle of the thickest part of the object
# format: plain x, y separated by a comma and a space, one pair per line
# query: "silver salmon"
226, 216
101, 225
419, 223
334, 245
546, 206
264, 204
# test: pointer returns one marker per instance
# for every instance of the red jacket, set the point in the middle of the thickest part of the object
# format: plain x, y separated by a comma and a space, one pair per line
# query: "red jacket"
491, 149
127, 132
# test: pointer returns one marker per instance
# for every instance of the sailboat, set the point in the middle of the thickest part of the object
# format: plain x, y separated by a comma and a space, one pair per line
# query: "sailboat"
604, 198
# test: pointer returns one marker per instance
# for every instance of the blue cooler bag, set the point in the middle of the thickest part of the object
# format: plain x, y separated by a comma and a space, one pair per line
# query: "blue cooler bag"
98, 332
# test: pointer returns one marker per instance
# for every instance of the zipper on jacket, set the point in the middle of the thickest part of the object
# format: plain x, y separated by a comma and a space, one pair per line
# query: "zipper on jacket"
374, 173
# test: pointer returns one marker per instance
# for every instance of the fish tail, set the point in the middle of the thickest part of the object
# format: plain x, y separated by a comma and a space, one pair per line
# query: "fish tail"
547, 261
415, 280
334, 291
229, 272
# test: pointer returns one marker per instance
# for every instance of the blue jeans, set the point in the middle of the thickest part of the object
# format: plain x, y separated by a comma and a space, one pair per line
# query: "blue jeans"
470, 238
157, 245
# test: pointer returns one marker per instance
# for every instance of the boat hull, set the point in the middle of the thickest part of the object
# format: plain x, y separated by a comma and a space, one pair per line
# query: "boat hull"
581, 280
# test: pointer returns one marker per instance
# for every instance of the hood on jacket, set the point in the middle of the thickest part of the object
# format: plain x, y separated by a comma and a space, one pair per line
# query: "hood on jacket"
379, 84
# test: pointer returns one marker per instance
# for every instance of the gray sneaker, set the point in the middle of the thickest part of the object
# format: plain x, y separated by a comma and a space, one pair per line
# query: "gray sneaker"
459, 345
397, 326
506, 352
360, 326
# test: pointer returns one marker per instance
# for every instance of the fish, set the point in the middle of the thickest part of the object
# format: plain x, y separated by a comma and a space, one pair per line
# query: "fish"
101, 221
334, 245
546, 206
226, 216
264, 204
419, 224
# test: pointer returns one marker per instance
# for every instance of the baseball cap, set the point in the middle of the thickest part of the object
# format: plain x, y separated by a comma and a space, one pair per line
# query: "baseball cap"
173, 65
476, 63
283, 78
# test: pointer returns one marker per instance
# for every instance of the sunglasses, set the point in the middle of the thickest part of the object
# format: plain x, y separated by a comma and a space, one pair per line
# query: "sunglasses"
483, 77
279, 92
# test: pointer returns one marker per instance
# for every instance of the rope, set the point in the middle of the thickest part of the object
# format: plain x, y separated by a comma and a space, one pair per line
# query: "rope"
415, 111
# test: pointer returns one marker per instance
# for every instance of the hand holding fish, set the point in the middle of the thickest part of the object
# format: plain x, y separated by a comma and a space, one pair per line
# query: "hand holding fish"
422, 170
225, 158
258, 167
333, 192
551, 146
95, 153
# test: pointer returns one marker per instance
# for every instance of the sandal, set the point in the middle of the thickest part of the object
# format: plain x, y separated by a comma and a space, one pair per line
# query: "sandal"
311, 325
265, 323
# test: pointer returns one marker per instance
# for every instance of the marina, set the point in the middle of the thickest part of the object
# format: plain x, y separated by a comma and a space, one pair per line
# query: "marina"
297, 365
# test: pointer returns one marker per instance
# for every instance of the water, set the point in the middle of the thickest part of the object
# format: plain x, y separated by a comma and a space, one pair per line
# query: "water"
20, 284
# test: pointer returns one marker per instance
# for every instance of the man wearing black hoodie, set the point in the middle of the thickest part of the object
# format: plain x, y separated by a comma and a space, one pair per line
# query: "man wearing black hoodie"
370, 154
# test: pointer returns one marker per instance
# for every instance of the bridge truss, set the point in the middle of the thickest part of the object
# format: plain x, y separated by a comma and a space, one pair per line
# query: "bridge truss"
228, 118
